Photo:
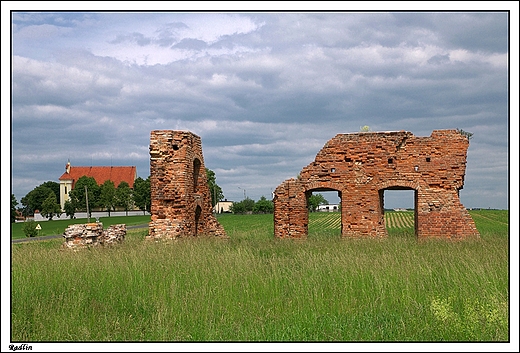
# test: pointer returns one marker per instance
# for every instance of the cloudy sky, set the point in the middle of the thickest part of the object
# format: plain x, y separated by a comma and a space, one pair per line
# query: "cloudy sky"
264, 90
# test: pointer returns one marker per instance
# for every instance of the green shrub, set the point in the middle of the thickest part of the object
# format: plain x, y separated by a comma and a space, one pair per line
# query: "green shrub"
29, 228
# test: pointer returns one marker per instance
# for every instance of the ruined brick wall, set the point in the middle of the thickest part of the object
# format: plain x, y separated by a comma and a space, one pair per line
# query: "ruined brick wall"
92, 234
181, 200
360, 166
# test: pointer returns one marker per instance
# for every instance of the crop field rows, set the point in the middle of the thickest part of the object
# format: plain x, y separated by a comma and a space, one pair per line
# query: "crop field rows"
399, 220
332, 220
492, 216
325, 220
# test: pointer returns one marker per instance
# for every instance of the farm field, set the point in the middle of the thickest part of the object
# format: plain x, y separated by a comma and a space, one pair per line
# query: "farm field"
254, 288
330, 223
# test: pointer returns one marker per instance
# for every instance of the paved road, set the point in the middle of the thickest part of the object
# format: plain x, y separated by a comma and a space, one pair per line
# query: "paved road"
47, 237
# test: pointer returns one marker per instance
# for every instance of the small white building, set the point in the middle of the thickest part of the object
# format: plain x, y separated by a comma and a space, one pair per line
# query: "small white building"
222, 206
328, 208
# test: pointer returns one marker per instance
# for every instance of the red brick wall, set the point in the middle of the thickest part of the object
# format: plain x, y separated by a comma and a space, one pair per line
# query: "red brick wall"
181, 200
360, 166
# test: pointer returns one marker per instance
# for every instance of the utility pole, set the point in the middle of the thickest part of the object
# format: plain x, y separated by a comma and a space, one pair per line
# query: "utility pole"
215, 197
244, 192
86, 197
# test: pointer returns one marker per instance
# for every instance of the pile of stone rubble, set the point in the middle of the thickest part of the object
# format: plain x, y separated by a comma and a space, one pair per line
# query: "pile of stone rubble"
93, 234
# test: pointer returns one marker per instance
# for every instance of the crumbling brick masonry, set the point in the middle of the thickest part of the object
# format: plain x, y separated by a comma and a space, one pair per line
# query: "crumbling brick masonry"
181, 200
360, 166
91, 234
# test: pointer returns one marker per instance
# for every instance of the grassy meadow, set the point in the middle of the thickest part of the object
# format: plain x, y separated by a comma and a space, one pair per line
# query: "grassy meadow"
255, 288
56, 227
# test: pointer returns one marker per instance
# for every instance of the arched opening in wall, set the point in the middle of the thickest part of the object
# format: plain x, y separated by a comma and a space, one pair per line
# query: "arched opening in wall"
399, 207
324, 212
198, 212
196, 171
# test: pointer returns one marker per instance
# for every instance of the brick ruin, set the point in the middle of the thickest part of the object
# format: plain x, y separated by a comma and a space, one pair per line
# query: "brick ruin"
360, 166
92, 234
180, 196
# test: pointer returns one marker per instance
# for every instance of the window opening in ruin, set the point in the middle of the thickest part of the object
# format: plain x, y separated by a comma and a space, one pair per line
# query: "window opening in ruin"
399, 207
390, 161
325, 219
428, 159
196, 171
175, 147
198, 212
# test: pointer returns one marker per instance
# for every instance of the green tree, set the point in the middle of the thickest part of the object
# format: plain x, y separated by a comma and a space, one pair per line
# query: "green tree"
238, 208
34, 199
248, 204
215, 190
244, 206
142, 196
69, 208
107, 195
124, 196
14, 203
51, 207
263, 206
78, 197
54, 186
26, 210
315, 200
29, 228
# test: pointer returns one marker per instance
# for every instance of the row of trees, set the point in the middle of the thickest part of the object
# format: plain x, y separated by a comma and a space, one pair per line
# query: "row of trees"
266, 206
45, 197
249, 206
106, 197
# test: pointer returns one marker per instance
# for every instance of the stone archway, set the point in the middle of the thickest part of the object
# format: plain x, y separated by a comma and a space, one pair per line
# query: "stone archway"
383, 210
398, 185
323, 186
310, 192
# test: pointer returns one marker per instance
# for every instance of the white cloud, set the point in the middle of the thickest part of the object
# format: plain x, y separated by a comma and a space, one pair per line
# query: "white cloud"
265, 91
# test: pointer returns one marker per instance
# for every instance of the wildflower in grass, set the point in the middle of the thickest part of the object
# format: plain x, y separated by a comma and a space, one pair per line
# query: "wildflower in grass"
441, 309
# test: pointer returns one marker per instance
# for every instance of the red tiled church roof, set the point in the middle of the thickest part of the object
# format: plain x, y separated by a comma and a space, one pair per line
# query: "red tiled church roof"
102, 174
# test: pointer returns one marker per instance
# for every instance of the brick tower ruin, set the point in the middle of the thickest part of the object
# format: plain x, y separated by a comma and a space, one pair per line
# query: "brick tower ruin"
180, 196
360, 166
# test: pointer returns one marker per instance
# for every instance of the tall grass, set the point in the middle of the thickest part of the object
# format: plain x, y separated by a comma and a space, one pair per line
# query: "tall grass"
253, 287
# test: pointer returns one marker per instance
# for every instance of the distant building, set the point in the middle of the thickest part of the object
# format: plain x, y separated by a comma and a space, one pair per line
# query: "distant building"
100, 174
223, 206
328, 208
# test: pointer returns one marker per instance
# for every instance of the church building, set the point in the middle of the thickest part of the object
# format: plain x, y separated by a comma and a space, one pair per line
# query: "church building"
100, 174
